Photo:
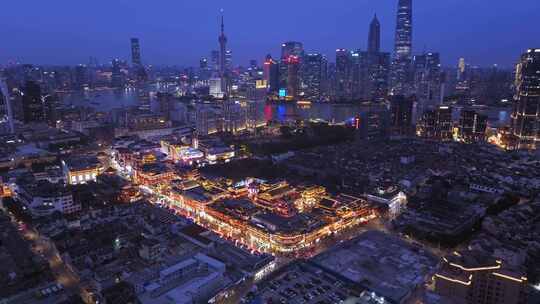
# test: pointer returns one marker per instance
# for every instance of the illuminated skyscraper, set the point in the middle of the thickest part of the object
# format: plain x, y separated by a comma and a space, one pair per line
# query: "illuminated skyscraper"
268, 61
138, 69
215, 87
343, 74
292, 53
526, 113
472, 126
436, 124
203, 63
374, 36
314, 76
271, 73
292, 48
135, 52
427, 79
228, 61
33, 110
6, 110
403, 48
117, 77
401, 111
359, 72
378, 70
371, 69
204, 69
403, 42
461, 69
293, 79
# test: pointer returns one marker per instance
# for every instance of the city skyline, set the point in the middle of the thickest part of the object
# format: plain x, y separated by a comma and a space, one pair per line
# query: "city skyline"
295, 152
181, 39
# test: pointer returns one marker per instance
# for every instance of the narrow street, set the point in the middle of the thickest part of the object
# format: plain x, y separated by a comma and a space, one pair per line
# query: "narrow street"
62, 272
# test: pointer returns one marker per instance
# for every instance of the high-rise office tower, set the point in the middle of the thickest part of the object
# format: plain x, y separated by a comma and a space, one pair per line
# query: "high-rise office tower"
343, 74
233, 117
204, 69
271, 73
427, 79
228, 61
381, 76
436, 124
372, 123
268, 61
293, 79
254, 115
313, 76
135, 52
472, 126
403, 39
292, 52
283, 75
359, 71
461, 69
403, 48
371, 69
374, 36
325, 82
205, 119
203, 63
331, 79
117, 77
215, 87
6, 109
165, 104
526, 112
292, 48
376, 76
33, 110
214, 60
51, 109
92, 68
401, 111
81, 76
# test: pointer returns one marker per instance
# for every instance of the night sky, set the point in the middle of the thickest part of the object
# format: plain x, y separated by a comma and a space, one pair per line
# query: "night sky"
181, 31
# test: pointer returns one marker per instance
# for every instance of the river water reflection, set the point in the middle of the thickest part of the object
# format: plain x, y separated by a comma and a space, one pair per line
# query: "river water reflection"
106, 100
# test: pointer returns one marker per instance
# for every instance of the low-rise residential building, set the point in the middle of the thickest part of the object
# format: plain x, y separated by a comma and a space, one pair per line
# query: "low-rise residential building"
381, 263
44, 198
473, 277
192, 280
150, 249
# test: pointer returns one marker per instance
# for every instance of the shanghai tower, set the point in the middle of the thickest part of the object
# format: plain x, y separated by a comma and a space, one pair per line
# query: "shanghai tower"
403, 48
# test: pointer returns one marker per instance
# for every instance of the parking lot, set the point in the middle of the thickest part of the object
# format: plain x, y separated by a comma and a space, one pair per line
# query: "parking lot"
302, 283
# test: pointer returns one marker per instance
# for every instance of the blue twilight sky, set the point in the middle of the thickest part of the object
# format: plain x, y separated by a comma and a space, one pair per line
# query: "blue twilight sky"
181, 31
